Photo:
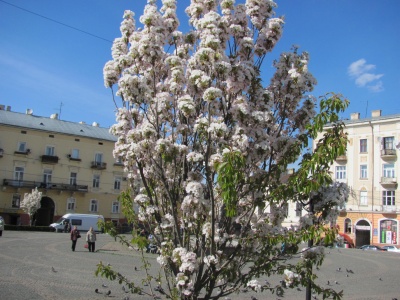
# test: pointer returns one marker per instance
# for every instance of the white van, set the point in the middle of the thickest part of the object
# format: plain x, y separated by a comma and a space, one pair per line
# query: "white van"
81, 221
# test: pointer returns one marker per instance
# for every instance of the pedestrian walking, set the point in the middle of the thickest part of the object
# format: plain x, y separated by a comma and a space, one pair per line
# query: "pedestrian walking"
91, 239
75, 235
1, 225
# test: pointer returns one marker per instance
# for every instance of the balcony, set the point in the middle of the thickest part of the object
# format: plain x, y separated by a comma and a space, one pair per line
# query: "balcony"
50, 159
73, 158
26, 152
42, 185
341, 158
389, 208
388, 153
388, 181
98, 165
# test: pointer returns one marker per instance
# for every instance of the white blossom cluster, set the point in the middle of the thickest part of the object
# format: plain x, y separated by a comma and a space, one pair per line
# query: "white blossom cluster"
289, 277
314, 253
31, 202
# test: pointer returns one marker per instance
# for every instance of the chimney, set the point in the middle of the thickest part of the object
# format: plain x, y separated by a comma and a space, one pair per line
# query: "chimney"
54, 116
8, 108
2, 107
355, 116
95, 124
29, 111
376, 113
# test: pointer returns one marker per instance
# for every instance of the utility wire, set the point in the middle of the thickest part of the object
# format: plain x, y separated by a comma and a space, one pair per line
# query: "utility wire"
58, 22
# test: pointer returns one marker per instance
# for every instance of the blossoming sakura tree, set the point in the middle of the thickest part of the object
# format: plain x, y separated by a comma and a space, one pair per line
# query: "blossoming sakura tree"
31, 203
206, 143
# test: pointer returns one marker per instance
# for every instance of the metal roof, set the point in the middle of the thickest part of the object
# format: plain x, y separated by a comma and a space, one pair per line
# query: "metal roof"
30, 121
371, 119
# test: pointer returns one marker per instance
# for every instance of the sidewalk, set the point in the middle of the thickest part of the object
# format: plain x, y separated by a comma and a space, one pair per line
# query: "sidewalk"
27, 260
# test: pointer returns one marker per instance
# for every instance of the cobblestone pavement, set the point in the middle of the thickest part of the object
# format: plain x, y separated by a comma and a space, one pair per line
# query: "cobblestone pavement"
27, 260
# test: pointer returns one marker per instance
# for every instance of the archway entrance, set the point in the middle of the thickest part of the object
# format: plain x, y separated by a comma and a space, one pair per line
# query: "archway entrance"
45, 214
363, 233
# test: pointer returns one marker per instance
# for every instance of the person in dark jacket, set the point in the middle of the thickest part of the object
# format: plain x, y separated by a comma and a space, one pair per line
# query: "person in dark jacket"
74, 237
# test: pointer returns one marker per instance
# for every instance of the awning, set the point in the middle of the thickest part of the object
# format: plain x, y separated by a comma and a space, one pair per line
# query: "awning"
348, 239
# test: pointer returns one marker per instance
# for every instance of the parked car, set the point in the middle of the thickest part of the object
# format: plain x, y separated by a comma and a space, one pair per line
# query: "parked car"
372, 247
391, 248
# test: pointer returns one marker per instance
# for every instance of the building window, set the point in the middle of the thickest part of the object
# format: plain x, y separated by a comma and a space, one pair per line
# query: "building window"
71, 203
96, 181
388, 231
363, 146
22, 147
115, 207
388, 198
98, 158
72, 178
117, 183
16, 200
93, 205
47, 173
363, 198
19, 173
119, 160
388, 171
299, 208
75, 153
49, 151
347, 225
363, 172
340, 172
388, 143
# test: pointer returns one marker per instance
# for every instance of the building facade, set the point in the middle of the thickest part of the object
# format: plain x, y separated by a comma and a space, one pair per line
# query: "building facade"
70, 163
370, 168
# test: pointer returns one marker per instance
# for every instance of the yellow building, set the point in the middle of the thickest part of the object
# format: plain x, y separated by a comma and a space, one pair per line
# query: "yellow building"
370, 167
70, 163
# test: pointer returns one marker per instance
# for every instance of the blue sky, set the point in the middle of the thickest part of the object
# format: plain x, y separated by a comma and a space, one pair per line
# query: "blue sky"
45, 66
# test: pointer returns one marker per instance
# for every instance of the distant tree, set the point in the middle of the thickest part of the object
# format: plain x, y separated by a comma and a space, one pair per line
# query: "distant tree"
31, 203
205, 146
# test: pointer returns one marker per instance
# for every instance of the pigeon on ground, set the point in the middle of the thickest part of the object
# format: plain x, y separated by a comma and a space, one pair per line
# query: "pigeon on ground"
349, 271
135, 268
108, 293
328, 283
104, 285
54, 270
339, 269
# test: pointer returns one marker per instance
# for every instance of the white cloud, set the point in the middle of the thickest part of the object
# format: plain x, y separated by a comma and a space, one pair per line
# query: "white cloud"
360, 72
366, 78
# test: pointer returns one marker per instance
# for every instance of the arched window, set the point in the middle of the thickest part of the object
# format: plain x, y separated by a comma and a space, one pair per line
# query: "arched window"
347, 225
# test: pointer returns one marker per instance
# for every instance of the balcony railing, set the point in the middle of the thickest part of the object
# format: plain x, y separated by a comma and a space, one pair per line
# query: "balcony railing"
70, 157
98, 165
388, 180
341, 157
388, 153
51, 159
43, 185
26, 152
